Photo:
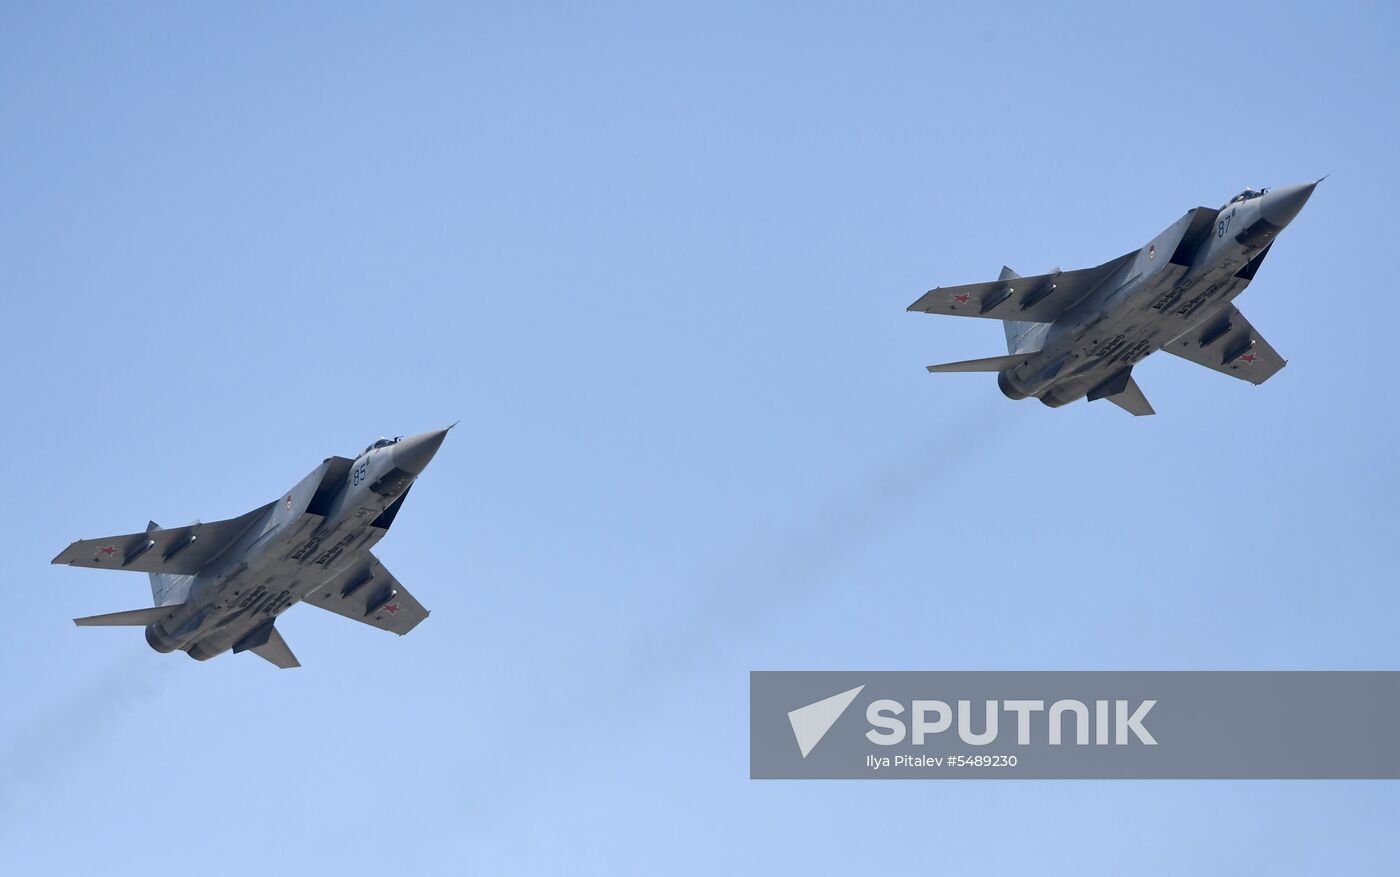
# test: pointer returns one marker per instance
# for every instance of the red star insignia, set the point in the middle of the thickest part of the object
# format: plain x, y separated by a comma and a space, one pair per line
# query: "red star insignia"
108, 549
391, 608
1248, 358
962, 298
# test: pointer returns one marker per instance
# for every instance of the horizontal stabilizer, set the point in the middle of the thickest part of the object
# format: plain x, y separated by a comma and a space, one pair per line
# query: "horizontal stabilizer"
129, 618
276, 652
990, 364
1123, 391
1132, 400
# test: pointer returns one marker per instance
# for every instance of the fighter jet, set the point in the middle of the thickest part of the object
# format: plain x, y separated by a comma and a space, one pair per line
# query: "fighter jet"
221, 585
1071, 334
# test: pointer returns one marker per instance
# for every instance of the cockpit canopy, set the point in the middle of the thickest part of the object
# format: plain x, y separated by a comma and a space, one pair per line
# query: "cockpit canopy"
1246, 195
381, 443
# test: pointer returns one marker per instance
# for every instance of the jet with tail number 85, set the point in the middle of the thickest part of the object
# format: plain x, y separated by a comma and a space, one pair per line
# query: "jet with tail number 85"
221, 585
1071, 334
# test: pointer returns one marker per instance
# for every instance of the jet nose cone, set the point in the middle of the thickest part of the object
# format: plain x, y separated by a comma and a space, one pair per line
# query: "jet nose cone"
1280, 205
413, 453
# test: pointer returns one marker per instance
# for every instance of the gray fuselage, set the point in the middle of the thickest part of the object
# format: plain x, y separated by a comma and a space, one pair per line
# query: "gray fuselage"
328, 522
1179, 279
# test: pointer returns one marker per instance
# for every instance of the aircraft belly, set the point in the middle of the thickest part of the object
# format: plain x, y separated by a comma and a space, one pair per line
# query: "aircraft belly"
1148, 322
255, 595
1134, 332
1099, 350
1098, 338
250, 595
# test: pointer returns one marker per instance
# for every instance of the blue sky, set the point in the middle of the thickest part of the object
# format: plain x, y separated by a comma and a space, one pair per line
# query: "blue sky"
656, 258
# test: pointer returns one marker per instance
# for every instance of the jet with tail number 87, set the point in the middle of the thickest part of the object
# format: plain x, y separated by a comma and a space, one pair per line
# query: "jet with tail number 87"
1071, 334
221, 585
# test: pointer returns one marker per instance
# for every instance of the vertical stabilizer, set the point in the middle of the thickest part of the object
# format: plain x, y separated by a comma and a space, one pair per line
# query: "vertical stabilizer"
1021, 336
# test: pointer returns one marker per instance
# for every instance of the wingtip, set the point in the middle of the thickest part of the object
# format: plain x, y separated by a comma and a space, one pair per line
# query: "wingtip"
59, 558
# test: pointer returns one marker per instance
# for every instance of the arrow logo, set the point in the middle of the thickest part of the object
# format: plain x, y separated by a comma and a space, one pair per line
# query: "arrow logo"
811, 722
